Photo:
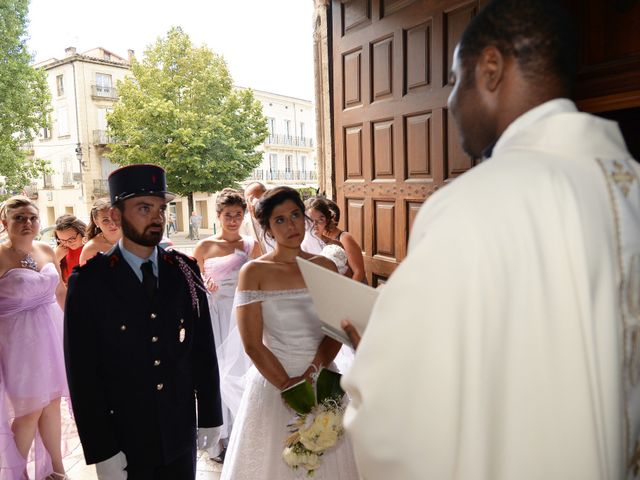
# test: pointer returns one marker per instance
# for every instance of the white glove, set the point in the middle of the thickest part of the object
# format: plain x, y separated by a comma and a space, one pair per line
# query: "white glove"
113, 468
208, 437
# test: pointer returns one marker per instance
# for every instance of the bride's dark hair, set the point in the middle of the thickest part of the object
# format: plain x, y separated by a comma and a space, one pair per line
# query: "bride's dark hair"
271, 200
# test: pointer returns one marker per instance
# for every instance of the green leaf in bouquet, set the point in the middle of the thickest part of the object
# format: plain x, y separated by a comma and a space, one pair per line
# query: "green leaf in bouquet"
300, 397
328, 385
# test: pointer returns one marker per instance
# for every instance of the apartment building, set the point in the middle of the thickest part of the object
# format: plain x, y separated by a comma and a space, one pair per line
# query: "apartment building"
82, 87
289, 152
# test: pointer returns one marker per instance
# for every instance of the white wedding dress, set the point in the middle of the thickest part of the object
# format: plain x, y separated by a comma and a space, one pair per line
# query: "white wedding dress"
292, 332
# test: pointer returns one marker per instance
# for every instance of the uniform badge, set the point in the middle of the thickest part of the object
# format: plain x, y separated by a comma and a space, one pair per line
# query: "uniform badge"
181, 334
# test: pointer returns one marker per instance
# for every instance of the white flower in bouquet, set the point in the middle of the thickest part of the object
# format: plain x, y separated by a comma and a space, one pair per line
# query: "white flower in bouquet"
324, 432
318, 424
299, 457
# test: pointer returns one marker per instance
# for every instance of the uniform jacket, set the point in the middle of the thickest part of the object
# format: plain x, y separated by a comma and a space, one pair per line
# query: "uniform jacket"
136, 367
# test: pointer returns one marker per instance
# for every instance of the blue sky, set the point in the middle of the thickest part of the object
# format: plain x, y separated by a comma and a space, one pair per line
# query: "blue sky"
268, 45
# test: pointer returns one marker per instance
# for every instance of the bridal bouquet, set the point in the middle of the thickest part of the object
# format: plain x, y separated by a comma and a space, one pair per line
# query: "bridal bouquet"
318, 423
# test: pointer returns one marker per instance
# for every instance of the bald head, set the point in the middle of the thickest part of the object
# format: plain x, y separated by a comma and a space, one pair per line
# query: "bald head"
252, 193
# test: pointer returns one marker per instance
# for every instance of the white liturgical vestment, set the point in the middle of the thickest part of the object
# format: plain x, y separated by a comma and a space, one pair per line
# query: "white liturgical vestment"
506, 346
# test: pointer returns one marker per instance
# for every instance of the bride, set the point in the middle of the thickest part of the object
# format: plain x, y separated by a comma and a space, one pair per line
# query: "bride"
281, 334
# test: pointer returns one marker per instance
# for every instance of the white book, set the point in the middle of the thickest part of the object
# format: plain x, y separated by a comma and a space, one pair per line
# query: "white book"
336, 298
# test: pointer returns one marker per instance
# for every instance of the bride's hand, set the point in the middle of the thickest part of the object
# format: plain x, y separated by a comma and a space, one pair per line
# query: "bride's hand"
291, 381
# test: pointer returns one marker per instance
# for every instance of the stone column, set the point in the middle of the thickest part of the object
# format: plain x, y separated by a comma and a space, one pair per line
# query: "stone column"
324, 131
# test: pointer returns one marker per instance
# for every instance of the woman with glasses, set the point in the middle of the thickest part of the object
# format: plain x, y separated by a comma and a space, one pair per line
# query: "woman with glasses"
102, 232
69, 234
32, 373
325, 215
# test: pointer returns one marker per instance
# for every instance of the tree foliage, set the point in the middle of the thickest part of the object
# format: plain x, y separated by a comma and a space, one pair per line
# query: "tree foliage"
180, 111
24, 98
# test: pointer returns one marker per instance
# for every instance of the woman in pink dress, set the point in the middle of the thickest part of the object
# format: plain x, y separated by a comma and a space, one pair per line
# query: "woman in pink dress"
220, 258
32, 373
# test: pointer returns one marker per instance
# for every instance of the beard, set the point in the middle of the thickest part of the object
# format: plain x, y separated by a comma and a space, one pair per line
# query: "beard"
146, 238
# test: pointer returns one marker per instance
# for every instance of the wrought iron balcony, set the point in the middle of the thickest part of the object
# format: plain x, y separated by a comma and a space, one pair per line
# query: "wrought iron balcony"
101, 188
100, 91
284, 175
288, 140
100, 137
31, 191
48, 181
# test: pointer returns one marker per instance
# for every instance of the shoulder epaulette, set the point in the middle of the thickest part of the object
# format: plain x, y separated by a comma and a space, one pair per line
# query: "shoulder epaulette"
180, 254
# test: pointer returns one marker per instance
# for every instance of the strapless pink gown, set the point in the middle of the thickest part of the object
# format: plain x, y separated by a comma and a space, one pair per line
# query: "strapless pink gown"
224, 271
32, 371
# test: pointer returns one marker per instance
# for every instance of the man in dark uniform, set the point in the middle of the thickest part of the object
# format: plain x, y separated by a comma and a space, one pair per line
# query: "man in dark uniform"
139, 346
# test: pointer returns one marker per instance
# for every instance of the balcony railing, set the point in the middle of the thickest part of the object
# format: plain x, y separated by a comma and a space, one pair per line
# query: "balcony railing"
279, 175
100, 91
101, 188
31, 191
279, 139
67, 178
100, 137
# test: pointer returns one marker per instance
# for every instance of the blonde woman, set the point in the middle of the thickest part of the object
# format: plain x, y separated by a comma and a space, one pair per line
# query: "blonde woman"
32, 373
102, 233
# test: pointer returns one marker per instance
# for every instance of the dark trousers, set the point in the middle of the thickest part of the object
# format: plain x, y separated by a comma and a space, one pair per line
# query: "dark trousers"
182, 468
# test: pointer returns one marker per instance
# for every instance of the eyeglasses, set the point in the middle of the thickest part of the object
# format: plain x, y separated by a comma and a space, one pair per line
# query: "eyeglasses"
67, 241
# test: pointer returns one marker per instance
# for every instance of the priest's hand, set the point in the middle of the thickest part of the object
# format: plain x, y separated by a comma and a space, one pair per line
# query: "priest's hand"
113, 468
351, 332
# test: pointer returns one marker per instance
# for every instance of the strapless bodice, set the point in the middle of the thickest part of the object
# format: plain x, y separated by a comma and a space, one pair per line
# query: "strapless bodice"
23, 289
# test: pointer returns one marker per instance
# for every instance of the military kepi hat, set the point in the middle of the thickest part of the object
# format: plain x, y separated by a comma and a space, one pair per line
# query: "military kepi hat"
138, 180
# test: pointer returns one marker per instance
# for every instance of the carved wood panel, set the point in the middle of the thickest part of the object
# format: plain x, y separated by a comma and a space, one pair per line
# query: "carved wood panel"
395, 144
382, 149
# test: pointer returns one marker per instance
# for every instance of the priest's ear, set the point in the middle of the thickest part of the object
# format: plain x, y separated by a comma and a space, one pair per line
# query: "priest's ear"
490, 69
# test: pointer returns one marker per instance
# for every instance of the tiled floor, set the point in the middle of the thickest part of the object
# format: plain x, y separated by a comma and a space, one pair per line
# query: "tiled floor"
77, 469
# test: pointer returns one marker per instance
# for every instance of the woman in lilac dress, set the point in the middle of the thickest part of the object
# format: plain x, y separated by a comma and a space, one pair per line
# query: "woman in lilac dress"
220, 258
32, 373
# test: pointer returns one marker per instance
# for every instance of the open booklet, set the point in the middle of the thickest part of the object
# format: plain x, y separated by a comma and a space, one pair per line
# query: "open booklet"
338, 298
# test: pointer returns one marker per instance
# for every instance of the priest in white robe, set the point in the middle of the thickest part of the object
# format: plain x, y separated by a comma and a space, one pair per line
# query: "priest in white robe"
507, 344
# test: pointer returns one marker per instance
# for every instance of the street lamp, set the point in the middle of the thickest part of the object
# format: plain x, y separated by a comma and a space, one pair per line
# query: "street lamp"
79, 155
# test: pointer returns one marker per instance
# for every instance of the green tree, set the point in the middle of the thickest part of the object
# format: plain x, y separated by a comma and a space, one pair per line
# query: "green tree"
180, 111
24, 98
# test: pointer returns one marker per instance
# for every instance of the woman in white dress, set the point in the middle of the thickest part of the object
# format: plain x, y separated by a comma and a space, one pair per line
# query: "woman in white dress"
220, 258
325, 216
281, 333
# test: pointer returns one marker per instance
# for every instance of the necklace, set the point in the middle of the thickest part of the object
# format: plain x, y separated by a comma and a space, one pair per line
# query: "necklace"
27, 261
101, 234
